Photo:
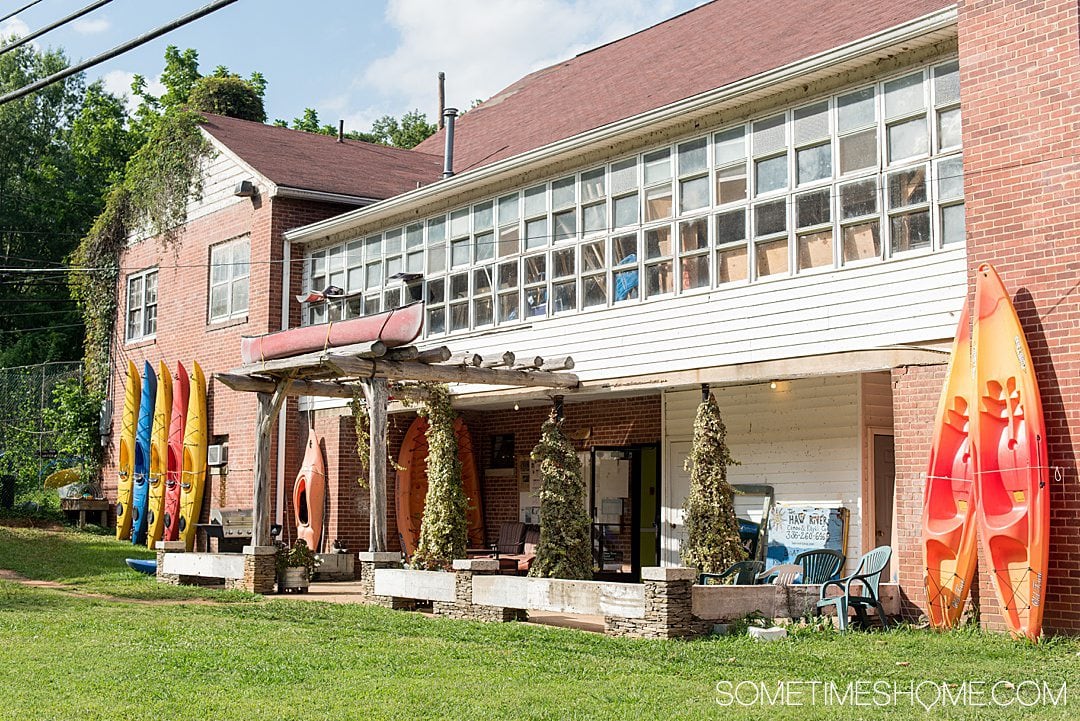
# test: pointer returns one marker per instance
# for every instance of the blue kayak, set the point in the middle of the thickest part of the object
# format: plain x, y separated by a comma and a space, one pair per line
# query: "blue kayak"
140, 499
138, 564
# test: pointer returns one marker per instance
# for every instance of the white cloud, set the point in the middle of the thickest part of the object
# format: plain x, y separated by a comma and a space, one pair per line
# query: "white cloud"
118, 82
91, 27
13, 27
484, 46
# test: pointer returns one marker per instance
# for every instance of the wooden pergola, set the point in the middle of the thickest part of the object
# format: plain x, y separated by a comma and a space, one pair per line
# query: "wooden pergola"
338, 372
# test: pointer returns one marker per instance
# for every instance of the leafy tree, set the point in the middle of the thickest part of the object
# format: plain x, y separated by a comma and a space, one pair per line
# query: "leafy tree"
229, 95
565, 548
712, 530
444, 527
407, 132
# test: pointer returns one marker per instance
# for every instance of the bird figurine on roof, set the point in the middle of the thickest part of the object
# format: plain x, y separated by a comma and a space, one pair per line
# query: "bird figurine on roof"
331, 292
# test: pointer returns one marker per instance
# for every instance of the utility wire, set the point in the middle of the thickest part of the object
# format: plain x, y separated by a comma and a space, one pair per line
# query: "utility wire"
118, 50
52, 26
44, 327
16, 12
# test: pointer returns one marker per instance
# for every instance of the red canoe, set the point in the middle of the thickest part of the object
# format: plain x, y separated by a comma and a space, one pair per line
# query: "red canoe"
948, 520
176, 454
1013, 513
397, 327
309, 494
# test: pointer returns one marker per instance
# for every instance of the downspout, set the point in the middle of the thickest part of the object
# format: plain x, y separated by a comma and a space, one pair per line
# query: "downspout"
286, 281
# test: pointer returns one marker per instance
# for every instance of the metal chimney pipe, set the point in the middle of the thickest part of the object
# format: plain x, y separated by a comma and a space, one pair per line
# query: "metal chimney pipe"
448, 156
341, 131
442, 98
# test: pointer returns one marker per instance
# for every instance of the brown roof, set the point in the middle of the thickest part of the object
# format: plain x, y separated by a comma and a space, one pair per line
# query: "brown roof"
706, 48
296, 159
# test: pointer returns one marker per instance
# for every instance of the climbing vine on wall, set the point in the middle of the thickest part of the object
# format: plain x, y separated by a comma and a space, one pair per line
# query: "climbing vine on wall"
712, 530
444, 528
151, 200
362, 427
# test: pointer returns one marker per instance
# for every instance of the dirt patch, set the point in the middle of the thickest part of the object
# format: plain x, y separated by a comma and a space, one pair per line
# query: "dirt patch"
16, 522
6, 575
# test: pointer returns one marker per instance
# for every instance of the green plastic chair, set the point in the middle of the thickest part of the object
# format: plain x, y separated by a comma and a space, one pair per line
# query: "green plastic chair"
868, 575
820, 565
743, 572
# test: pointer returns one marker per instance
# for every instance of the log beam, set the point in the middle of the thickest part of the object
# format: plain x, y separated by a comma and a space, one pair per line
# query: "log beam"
376, 392
269, 405
365, 368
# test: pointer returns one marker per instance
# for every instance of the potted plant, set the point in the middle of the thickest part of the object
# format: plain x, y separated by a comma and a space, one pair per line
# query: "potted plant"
295, 566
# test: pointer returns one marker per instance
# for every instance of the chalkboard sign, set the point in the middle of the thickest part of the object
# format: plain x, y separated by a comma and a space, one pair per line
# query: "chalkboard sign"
794, 528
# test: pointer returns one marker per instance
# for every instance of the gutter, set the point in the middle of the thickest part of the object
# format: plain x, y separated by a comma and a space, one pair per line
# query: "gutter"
883, 40
284, 191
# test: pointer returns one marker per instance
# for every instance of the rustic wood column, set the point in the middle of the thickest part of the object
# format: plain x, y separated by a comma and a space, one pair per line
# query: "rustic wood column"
265, 419
377, 394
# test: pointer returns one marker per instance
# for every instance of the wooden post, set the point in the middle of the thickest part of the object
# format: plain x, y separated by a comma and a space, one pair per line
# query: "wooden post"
377, 393
269, 405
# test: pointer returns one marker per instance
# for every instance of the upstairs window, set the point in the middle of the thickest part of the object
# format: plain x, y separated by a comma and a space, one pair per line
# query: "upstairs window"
229, 271
141, 305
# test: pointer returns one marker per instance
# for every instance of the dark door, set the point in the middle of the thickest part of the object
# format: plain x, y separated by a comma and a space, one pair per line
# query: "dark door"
623, 502
884, 483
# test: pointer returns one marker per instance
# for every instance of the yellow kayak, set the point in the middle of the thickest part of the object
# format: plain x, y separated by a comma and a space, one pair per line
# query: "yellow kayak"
159, 455
125, 478
193, 475
63, 477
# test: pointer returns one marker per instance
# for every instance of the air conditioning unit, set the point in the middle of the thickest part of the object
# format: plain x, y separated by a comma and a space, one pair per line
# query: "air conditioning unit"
217, 455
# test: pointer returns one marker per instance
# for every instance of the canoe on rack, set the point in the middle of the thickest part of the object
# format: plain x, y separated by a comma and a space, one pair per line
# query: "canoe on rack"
1009, 432
140, 494
412, 484
309, 494
393, 328
125, 477
949, 498
176, 454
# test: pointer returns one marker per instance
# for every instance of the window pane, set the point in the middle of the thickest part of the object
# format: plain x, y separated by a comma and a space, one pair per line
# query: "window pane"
219, 271
150, 322
335, 310
354, 253
813, 208
812, 123
239, 296
771, 257
459, 286
536, 201
562, 263
372, 247
356, 280
535, 269
593, 256
595, 217
371, 305
949, 128
950, 179
814, 163
594, 288
907, 139
562, 193
219, 301
729, 146
947, 83
392, 298
508, 276
337, 279
952, 224
859, 198
624, 249
459, 316
626, 210
658, 242
150, 288
436, 230
509, 241
592, 185
481, 281
436, 262
459, 224
693, 194
858, 151
508, 306
658, 167
536, 233
693, 235
565, 225
904, 95
392, 242
855, 110
135, 294
770, 174
414, 262
374, 275
354, 307
483, 217
317, 313
484, 247
770, 218
393, 266
910, 232
731, 227
436, 291
536, 301
414, 235
769, 135
658, 279
731, 264
862, 241
907, 187
624, 175
508, 209
731, 184
815, 250
436, 320
483, 311
563, 296
658, 203
695, 271
625, 284
692, 157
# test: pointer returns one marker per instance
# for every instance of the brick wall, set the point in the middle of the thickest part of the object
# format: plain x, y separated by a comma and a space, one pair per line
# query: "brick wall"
1020, 74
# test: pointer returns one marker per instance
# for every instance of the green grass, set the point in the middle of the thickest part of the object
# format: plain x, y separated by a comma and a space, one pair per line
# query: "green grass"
67, 657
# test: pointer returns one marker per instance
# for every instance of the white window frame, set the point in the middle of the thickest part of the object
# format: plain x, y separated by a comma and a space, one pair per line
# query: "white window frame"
145, 332
235, 272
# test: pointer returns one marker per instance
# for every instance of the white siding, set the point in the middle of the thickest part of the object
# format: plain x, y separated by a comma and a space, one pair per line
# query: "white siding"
877, 400
802, 438
220, 176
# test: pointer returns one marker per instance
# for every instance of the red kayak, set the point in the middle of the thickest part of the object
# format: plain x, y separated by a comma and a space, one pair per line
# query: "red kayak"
309, 494
1009, 432
176, 454
397, 327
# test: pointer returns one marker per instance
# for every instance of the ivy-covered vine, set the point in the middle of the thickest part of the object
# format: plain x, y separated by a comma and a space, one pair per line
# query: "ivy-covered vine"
444, 527
712, 530
362, 427
151, 200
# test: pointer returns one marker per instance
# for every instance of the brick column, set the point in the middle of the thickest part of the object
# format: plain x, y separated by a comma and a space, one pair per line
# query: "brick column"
463, 607
371, 561
259, 570
164, 547
668, 607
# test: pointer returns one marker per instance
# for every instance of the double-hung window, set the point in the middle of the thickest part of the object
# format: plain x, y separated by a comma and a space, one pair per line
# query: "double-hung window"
229, 272
141, 305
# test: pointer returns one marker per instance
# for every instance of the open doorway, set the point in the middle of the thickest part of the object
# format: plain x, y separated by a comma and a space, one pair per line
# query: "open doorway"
882, 457
624, 492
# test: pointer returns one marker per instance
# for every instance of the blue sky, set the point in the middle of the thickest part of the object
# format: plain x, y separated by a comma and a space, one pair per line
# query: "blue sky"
355, 60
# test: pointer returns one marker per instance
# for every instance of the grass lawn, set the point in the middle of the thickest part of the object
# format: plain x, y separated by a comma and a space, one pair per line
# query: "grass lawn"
70, 657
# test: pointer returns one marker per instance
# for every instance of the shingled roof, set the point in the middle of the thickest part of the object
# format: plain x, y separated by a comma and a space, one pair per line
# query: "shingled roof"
709, 47
306, 161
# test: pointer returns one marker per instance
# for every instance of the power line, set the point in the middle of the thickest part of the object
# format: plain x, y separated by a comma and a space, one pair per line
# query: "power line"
118, 50
43, 327
52, 26
12, 14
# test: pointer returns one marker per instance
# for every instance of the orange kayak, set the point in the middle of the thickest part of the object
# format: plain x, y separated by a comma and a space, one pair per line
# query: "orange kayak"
949, 500
412, 484
1013, 513
309, 494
